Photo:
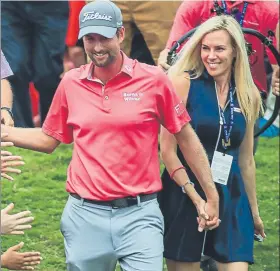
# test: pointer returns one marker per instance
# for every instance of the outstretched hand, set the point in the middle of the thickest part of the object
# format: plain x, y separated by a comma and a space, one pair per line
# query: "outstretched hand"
15, 223
12, 259
9, 161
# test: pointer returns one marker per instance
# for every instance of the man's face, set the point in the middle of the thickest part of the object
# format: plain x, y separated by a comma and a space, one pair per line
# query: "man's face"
101, 50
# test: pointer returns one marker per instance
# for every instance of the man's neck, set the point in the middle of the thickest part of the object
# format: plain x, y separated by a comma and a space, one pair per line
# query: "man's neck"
104, 74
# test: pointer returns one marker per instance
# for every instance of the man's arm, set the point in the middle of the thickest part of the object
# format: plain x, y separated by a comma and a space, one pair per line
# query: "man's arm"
196, 158
30, 138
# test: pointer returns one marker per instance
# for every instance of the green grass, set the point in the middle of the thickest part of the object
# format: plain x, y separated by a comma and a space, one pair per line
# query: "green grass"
41, 189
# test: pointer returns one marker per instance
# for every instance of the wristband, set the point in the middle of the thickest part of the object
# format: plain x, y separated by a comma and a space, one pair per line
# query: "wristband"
173, 172
8, 110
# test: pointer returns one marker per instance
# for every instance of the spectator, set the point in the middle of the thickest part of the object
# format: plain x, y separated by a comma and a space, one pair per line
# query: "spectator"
33, 41
75, 51
259, 15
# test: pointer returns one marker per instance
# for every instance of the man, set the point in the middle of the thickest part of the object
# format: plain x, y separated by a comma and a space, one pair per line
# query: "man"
33, 41
258, 15
112, 109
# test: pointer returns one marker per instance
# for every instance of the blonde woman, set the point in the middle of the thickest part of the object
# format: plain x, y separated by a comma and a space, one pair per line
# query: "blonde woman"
223, 102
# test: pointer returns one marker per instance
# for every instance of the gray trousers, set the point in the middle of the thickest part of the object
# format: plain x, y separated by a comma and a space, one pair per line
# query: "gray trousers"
96, 237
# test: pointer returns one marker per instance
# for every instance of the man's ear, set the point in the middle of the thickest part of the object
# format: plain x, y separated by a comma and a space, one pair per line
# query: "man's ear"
121, 34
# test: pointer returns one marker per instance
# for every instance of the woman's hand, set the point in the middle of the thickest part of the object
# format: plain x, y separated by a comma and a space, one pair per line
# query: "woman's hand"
208, 215
259, 227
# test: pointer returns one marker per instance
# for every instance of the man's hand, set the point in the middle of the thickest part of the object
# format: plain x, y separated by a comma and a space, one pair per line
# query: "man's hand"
15, 223
14, 260
276, 82
208, 215
6, 118
162, 60
212, 209
9, 161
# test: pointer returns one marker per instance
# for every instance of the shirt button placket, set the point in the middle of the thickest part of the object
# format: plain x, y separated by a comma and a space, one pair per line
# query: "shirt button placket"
106, 102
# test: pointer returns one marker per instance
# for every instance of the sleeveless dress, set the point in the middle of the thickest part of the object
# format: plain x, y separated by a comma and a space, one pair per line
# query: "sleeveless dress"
233, 240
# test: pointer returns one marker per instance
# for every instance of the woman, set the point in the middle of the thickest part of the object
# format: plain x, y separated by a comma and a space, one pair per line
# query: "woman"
223, 103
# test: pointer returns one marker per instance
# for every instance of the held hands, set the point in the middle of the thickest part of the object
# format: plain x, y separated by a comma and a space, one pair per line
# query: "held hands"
9, 161
14, 260
208, 215
15, 223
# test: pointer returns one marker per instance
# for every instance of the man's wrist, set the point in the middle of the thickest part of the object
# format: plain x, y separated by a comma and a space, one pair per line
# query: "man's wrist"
212, 193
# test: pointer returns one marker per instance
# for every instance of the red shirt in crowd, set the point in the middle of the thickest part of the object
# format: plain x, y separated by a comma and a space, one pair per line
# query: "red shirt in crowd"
114, 128
260, 15
73, 22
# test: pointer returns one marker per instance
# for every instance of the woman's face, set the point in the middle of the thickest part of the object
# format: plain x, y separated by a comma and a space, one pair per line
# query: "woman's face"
217, 53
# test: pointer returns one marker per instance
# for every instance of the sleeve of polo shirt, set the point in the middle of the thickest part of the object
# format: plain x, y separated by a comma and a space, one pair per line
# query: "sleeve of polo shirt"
187, 17
56, 124
171, 110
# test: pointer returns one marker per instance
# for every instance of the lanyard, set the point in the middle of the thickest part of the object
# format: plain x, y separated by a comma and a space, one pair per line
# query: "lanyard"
228, 128
239, 17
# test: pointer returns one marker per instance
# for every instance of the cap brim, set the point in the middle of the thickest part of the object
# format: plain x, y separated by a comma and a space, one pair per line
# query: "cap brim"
108, 32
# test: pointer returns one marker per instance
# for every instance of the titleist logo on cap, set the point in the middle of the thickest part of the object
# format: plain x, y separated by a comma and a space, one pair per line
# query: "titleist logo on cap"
96, 16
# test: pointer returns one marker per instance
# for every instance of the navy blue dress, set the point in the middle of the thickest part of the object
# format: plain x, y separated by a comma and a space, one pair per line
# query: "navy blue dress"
233, 240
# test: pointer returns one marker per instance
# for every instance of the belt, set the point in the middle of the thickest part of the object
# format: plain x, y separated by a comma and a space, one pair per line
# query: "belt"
119, 203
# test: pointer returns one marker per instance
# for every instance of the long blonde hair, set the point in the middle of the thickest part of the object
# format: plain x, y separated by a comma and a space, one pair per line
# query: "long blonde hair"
189, 59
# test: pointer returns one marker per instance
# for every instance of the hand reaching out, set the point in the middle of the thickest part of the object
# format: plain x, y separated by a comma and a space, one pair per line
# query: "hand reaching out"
15, 223
9, 161
14, 260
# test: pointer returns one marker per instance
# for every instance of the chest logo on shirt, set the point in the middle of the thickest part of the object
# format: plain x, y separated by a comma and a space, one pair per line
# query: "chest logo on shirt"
128, 97
179, 108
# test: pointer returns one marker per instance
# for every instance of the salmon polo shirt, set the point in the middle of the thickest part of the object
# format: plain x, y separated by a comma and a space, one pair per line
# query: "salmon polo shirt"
114, 128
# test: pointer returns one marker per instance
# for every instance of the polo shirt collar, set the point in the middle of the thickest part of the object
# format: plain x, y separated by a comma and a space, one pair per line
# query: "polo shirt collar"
127, 68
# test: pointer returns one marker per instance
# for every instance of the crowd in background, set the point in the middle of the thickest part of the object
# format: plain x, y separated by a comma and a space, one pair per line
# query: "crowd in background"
40, 41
